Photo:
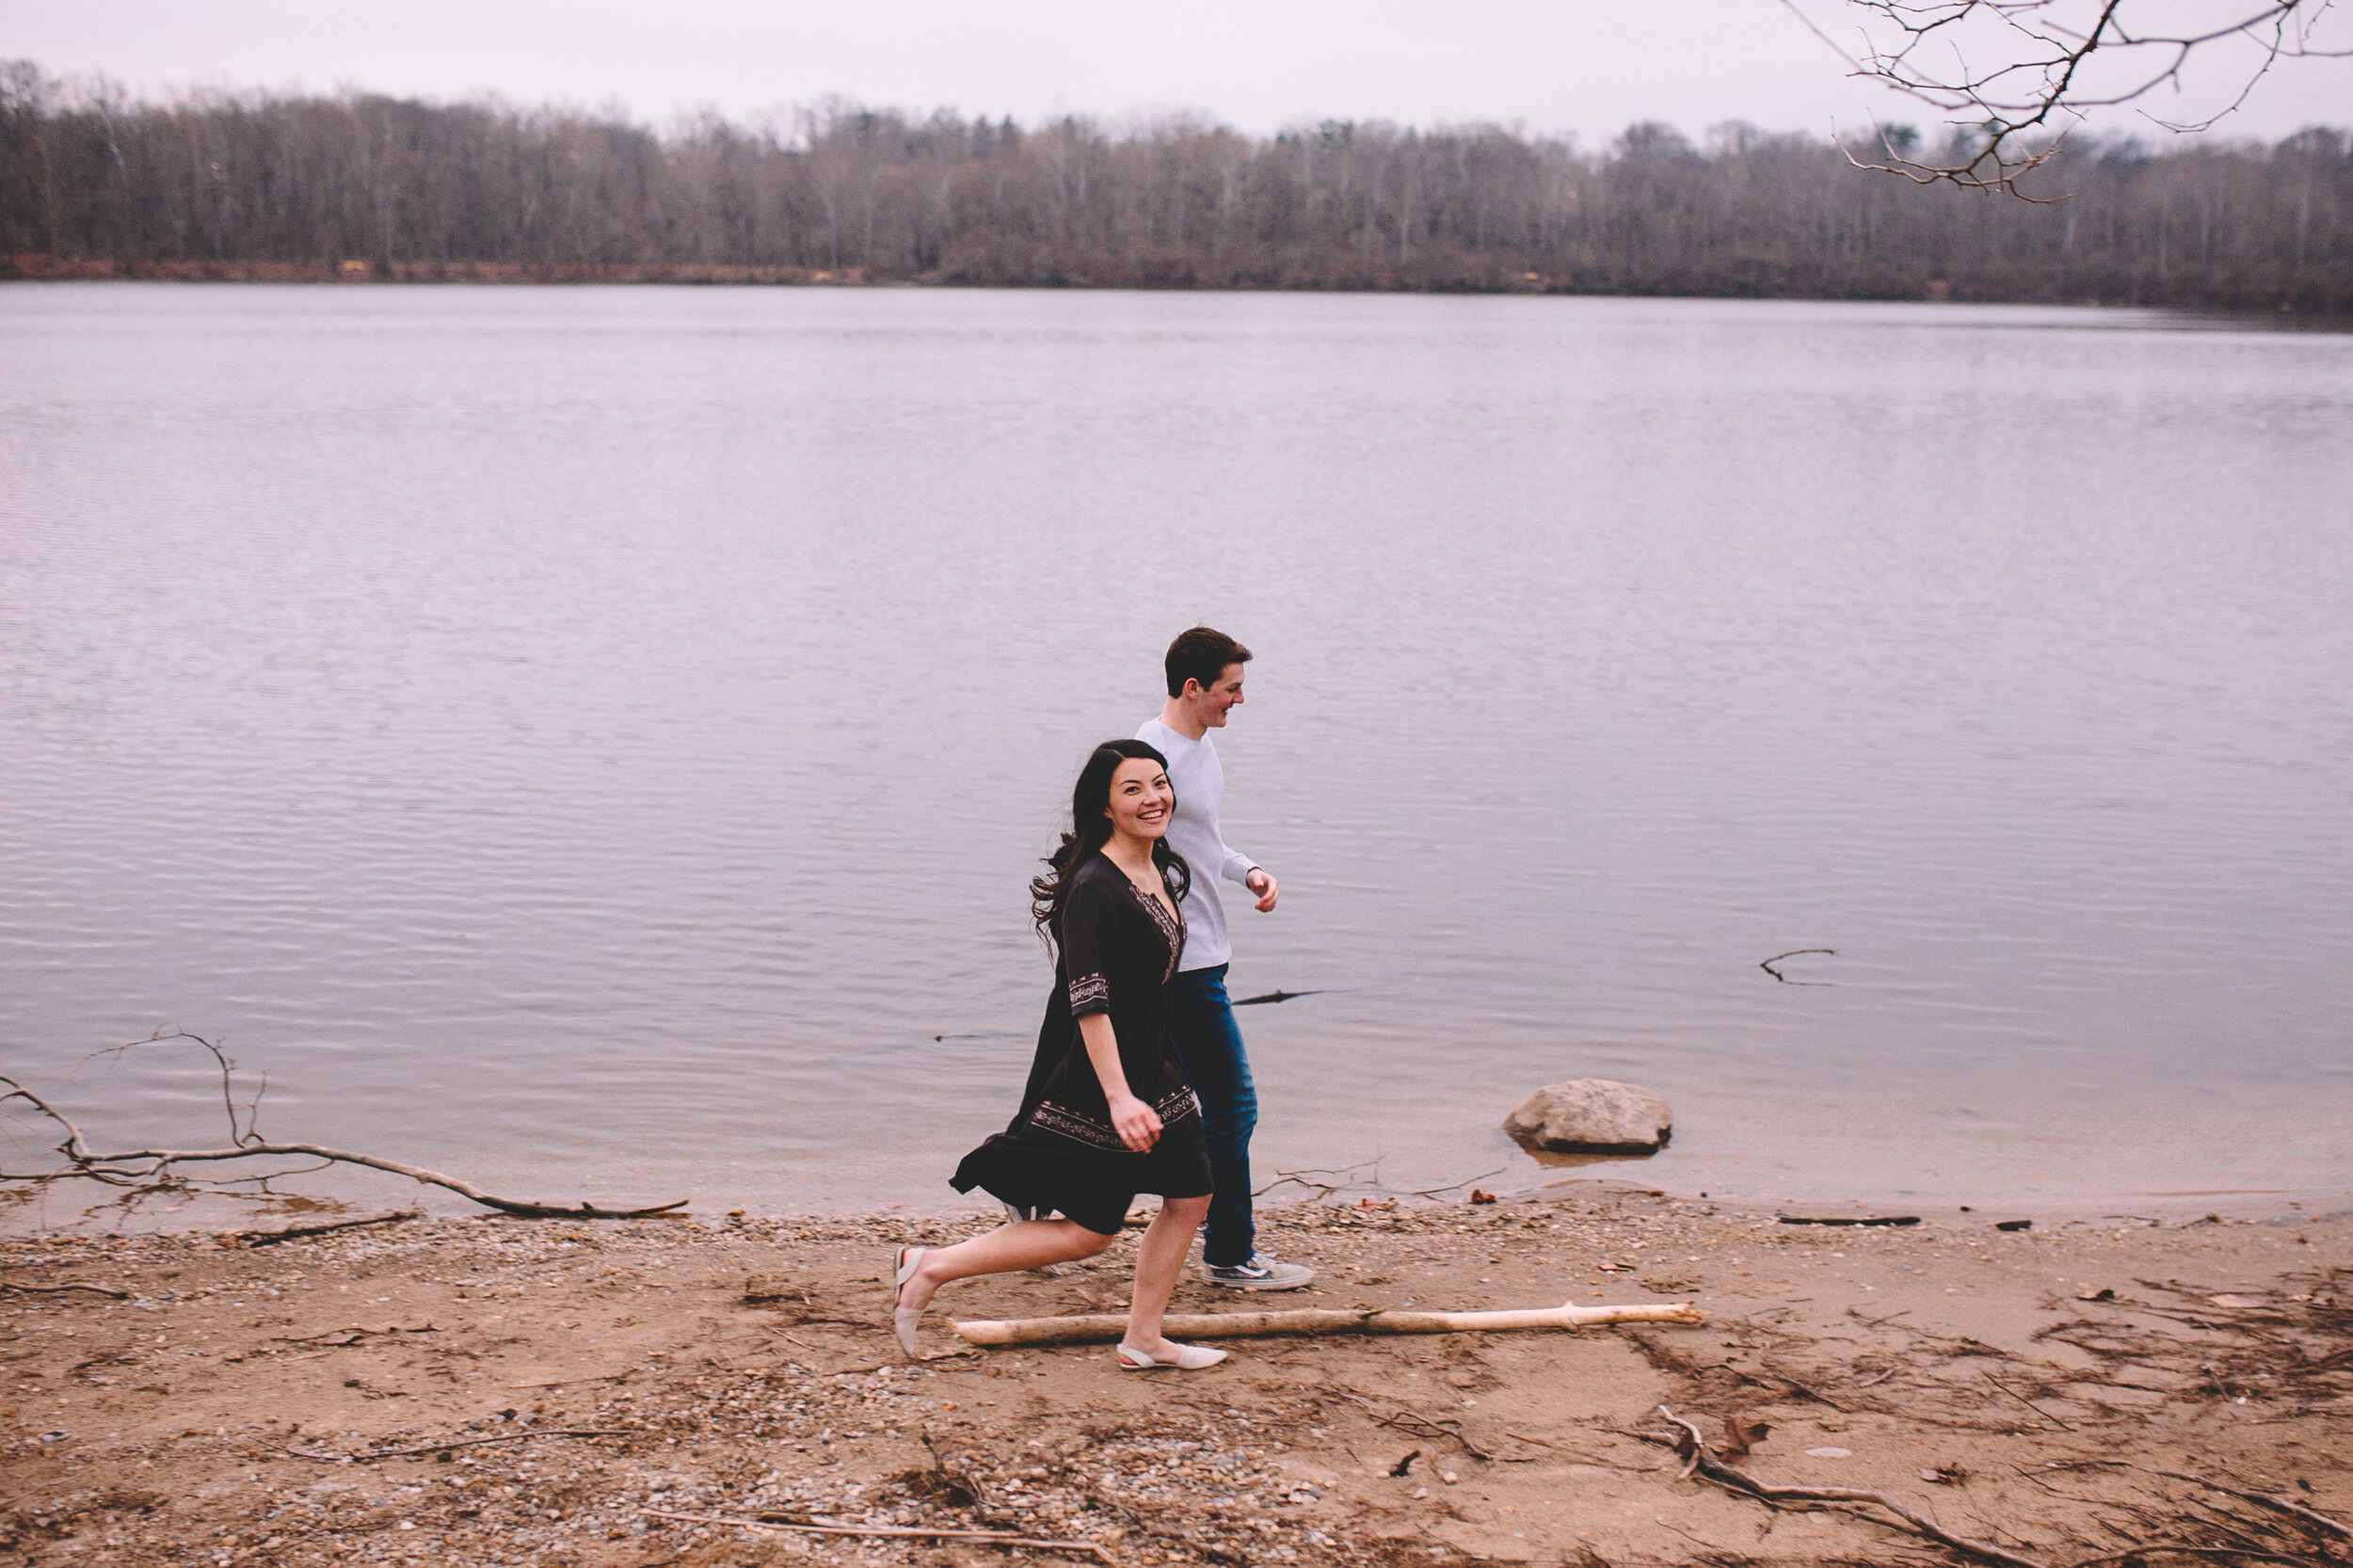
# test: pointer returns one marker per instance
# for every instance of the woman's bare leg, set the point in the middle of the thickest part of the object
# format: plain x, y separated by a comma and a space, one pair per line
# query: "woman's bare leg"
1011, 1247
1159, 1258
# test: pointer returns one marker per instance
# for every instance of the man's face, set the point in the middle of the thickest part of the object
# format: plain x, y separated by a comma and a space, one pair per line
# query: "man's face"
1221, 697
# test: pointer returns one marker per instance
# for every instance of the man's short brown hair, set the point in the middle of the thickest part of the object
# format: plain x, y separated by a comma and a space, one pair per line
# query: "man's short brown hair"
1201, 654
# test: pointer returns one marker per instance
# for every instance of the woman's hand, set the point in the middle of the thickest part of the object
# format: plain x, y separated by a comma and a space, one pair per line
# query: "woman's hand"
1137, 1123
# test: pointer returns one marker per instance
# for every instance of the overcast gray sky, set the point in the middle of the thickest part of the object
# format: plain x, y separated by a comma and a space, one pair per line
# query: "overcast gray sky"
1566, 64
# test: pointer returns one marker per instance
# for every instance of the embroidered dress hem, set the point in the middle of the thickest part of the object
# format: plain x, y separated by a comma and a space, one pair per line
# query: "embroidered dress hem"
1093, 1186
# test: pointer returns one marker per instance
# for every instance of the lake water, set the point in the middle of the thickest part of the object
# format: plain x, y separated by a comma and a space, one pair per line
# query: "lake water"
595, 741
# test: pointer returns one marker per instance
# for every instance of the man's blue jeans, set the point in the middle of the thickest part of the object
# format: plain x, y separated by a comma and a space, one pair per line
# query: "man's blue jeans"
1209, 1045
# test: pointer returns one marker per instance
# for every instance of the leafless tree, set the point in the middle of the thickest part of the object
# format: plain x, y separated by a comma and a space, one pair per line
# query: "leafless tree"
2014, 76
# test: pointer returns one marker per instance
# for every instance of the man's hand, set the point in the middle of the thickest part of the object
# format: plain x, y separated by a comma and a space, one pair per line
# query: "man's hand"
1264, 885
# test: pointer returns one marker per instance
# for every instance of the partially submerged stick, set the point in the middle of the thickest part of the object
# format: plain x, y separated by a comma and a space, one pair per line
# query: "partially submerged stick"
1104, 1327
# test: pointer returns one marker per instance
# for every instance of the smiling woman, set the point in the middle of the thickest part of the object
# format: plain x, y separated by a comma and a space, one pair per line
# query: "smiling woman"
1107, 1113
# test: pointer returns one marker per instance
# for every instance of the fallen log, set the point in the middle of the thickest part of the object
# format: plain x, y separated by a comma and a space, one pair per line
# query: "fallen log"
1102, 1328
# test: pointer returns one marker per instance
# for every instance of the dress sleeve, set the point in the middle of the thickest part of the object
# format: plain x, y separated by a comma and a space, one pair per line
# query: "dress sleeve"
1086, 915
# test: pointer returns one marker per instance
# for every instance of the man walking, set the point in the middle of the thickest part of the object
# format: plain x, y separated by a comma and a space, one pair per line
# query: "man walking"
1204, 685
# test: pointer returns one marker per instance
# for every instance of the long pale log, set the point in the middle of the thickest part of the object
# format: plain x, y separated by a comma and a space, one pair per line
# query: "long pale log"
1104, 1327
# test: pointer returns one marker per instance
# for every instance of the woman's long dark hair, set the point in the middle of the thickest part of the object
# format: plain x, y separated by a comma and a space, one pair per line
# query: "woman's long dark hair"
1090, 829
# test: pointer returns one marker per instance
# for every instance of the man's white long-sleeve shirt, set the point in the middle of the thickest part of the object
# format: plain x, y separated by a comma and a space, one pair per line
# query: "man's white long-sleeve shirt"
1199, 780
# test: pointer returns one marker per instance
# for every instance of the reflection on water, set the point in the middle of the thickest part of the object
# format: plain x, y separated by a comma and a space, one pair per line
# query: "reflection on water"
1563, 1159
598, 738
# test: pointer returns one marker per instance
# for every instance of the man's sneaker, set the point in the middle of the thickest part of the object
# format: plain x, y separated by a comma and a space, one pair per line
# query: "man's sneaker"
1260, 1272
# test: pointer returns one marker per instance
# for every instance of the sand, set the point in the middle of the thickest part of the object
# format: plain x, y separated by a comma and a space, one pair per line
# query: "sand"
220, 1399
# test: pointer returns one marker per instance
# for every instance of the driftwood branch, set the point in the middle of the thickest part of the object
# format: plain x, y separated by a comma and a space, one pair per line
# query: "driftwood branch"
1000, 1538
1698, 1461
145, 1167
1102, 1328
105, 1167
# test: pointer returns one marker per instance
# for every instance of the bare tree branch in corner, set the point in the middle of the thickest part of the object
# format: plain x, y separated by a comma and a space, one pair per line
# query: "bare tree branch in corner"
2015, 75
155, 1169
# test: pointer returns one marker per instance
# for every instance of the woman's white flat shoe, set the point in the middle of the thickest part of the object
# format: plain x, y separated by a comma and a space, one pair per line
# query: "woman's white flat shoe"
1189, 1358
904, 1319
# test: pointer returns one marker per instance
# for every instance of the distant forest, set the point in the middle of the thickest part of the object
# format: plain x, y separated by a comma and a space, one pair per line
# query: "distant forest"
259, 185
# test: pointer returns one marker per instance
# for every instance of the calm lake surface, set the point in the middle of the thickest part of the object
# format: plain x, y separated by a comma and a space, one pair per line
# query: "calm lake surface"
595, 741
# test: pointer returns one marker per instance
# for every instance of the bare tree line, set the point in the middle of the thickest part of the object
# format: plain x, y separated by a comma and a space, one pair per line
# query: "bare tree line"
254, 185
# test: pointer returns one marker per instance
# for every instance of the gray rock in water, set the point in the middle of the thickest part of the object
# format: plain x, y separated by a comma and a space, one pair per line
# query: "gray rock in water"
1592, 1115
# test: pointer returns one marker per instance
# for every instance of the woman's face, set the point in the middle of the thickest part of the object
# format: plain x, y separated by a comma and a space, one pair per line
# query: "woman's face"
1142, 800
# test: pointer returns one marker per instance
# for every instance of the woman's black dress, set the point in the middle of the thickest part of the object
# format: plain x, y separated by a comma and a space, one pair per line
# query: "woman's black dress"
1118, 952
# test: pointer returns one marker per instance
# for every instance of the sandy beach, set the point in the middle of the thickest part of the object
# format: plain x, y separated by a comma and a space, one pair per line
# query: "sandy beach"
641, 1393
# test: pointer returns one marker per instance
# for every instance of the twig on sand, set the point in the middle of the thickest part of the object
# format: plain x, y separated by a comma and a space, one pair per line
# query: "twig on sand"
372, 1456
2064, 1424
1001, 1538
1406, 1418
1572, 1457
1698, 1461
60, 1289
1861, 1317
2238, 1554
559, 1382
880, 1366
1689, 1536
1340, 1179
143, 1168
1347, 1177
2285, 1505
1142, 1523
271, 1238
1434, 1191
